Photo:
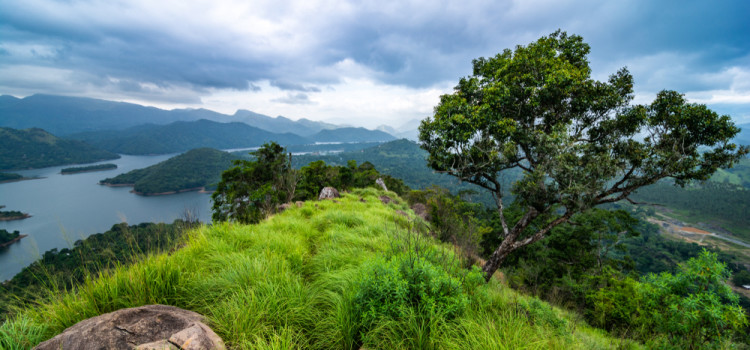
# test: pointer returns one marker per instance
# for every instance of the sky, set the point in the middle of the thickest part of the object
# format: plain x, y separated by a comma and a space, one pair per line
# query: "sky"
362, 63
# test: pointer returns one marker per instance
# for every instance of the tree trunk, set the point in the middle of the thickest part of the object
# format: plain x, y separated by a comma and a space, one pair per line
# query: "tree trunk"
496, 259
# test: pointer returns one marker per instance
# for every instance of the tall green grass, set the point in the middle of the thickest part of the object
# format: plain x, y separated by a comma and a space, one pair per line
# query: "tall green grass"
290, 282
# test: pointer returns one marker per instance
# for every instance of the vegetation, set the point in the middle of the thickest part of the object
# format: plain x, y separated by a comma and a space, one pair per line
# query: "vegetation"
720, 204
7, 215
182, 136
402, 159
251, 190
65, 269
6, 236
254, 189
304, 273
191, 170
7, 177
537, 109
82, 169
36, 148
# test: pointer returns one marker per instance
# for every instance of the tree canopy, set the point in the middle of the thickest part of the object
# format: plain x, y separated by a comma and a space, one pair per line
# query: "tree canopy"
578, 141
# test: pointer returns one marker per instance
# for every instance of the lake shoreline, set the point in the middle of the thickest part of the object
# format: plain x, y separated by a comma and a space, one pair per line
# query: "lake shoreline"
18, 217
14, 240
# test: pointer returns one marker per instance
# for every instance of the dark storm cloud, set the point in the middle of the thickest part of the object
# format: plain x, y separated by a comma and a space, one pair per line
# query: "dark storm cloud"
683, 45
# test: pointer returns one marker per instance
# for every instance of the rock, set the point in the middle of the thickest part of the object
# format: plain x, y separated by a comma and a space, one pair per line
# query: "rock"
421, 211
145, 327
328, 193
283, 207
299, 204
380, 182
385, 199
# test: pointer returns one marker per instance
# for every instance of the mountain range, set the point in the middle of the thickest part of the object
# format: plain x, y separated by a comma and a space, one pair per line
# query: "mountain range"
63, 116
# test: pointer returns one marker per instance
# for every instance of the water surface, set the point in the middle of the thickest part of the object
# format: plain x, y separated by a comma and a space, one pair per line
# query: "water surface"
66, 208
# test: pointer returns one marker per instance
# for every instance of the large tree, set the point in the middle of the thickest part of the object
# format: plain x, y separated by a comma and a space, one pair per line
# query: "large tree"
252, 189
577, 141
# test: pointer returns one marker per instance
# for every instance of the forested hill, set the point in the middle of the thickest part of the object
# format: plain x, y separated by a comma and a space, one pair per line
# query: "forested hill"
36, 148
191, 170
182, 136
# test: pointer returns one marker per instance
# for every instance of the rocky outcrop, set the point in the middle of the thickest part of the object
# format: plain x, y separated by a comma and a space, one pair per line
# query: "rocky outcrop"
381, 183
328, 193
421, 211
145, 327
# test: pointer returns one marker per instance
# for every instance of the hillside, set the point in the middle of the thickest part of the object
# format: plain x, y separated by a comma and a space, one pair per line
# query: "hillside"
36, 148
182, 136
351, 135
304, 279
191, 170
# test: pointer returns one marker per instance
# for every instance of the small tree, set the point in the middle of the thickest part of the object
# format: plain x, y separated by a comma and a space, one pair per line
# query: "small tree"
252, 190
695, 308
577, 141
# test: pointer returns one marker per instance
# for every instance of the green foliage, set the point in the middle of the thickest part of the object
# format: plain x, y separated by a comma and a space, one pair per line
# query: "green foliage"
63, 269
6, 236
558, 267
9, 177
289, 282
36, 148
252, 190
97, 167
191, 170
452, 219
540, 312
694, 308
741, 278
721, 203
536, 109
401, 159
11, 215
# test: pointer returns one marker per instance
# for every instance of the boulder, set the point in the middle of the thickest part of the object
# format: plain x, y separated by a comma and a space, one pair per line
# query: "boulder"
328, 193
421, 211
145, 327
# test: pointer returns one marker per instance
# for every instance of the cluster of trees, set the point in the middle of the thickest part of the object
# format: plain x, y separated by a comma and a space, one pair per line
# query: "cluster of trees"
73, 170
254, 189
65, 268
717, 202
6, 236
196, 168
11, 214
36, 148
537, 110
9, 177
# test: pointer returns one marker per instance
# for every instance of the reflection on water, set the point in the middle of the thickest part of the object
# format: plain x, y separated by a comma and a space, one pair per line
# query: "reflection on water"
66, 208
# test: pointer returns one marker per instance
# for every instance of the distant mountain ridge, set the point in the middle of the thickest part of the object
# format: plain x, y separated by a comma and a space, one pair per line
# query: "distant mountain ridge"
36, 148
63, 115
185, 135
352, 135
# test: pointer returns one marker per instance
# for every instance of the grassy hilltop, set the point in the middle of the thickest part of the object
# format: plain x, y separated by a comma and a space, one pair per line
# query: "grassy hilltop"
316, 277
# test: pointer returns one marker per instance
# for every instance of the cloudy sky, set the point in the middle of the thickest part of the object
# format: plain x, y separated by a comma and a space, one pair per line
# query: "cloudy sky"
356, 62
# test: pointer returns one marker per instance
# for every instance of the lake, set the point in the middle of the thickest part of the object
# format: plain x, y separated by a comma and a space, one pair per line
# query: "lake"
66, 208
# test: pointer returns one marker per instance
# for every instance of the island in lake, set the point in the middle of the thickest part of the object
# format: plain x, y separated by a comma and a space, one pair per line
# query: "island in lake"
86, 169
8, 238
11, 177
12, 215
